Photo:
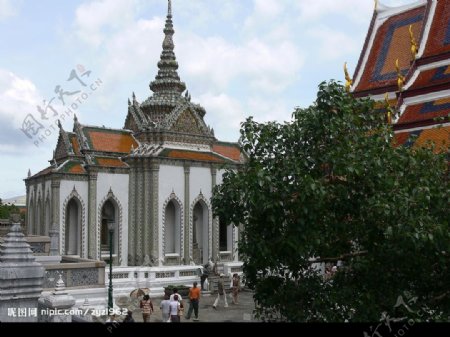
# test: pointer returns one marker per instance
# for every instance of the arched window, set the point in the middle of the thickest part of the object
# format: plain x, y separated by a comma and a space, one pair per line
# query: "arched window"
73, 227
200, 227
172, 228
109, 213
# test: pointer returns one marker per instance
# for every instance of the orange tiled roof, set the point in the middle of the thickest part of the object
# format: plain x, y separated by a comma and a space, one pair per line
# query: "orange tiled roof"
75, 145
192, 155
231, 151
74, 167
109, 162
430, 77
425, 111
107, 140
439, 37
391, 42
439, 136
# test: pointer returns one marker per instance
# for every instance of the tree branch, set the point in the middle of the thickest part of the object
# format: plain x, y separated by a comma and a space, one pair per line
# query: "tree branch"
338, 258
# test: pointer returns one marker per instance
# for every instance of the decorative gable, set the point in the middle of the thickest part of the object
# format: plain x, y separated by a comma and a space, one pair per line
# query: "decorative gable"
187, 123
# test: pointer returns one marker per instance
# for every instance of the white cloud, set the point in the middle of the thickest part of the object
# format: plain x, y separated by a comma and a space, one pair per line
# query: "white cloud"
93, 19
313, 11
18, 97
7, 9
333, 44
225, 114
269, 67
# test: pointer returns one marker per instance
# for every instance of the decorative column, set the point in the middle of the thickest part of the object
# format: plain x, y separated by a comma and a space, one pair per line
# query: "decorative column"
54, 219
132, 214
54, 240
93, 250
147, 209
154, 211
21, 278
187, 244
215, 224
139, 239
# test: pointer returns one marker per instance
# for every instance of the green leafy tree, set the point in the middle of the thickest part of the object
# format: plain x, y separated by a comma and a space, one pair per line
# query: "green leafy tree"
7, 210
330, 186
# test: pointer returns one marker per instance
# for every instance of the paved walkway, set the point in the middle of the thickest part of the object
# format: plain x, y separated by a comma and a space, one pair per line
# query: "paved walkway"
241, 312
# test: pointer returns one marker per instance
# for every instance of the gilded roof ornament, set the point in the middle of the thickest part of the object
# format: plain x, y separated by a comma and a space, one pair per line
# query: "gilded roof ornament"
388, 109
414, 46
348, 79
400, 77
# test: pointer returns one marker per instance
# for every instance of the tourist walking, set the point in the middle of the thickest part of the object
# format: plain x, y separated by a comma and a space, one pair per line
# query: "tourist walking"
235, 284
147, 308
165, 309
194, 297
221, 292
174, 306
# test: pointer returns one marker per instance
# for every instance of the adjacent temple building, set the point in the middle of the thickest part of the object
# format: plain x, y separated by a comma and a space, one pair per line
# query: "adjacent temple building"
405, 67
152, 180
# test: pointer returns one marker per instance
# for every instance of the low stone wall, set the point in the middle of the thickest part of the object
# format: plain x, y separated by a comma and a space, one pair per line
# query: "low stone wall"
75, 272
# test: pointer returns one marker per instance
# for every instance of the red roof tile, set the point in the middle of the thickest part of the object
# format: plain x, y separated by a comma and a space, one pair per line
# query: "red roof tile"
425, 111
75, 145
231, 151
192, 155
109, 162
391, 42
439, 37
110, 140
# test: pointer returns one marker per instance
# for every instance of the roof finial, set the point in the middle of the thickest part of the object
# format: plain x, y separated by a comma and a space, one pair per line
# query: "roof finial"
388, 109
376, 5
169, 9
348, 79
400, 77
414, 47
29, 173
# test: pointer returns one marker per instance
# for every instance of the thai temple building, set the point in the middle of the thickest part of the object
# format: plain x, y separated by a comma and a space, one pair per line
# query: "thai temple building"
405, 67
152, 181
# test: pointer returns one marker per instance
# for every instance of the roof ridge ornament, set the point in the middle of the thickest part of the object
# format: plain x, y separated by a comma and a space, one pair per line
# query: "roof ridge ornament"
348, 79
400, 77
169, 9
414, 46
388, 109
376, 5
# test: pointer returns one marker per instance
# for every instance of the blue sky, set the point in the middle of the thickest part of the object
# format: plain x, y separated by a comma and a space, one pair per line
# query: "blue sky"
238, 58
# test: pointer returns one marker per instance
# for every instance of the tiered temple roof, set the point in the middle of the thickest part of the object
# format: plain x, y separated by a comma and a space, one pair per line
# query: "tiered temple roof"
167, 126
406, 55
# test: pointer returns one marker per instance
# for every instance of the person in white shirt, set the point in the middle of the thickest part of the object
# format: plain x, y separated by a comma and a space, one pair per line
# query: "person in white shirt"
174, 306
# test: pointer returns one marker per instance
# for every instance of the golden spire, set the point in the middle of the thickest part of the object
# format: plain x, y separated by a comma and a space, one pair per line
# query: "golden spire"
388, 109
348, 80
414, 47
400, 77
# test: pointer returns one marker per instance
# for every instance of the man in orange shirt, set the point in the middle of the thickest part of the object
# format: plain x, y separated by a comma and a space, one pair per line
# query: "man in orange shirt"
194, 297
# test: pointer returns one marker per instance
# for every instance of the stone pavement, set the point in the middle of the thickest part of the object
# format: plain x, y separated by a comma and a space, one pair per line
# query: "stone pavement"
241, 312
